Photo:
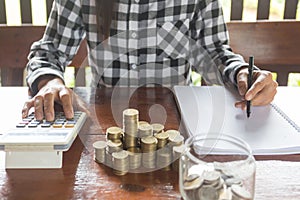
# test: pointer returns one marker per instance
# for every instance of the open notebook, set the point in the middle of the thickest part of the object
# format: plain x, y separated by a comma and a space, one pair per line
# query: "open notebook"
269, 130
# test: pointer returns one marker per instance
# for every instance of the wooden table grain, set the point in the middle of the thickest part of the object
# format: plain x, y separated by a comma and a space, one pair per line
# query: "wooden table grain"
277, 177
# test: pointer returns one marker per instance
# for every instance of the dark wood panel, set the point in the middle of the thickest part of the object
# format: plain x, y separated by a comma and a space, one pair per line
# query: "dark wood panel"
290, 9
275, 45
12, 76
236, 9
26, 12
17, 43
263, 9
2, 12
18, 40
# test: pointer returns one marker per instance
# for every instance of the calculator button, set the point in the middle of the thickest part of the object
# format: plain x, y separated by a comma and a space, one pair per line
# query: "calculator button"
69, 125
36, 122
57, 125
59, 122
71, 122
24, 122
46, 125
32, 125
21, 125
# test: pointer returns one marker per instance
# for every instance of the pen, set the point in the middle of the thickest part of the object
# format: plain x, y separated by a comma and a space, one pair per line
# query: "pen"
250, 71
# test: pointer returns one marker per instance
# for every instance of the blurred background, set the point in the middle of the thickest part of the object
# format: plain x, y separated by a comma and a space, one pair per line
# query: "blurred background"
39, 17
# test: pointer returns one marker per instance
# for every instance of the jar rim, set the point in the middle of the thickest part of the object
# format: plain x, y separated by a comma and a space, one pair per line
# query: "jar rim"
219, 136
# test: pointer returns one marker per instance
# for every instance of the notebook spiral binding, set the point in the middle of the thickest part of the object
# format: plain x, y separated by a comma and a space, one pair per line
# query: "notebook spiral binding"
286, 117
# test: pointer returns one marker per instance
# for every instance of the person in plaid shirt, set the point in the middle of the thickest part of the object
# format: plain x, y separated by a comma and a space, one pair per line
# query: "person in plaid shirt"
138, 43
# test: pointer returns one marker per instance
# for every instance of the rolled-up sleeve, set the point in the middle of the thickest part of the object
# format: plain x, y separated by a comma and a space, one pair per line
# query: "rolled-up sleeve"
212, 37
59, 44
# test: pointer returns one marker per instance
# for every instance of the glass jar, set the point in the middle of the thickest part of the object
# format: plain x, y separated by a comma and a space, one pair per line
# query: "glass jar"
217, 166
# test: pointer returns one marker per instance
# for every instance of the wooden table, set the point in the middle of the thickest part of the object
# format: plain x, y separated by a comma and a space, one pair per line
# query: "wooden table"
277, 177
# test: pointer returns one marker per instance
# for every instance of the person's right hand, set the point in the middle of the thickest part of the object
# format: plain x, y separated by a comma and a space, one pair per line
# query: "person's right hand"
51, 90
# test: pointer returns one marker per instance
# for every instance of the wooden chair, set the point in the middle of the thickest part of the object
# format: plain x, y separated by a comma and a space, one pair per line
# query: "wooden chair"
274, 45
263, 9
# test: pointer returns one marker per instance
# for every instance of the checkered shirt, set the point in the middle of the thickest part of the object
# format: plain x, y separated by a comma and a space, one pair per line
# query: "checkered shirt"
151, 42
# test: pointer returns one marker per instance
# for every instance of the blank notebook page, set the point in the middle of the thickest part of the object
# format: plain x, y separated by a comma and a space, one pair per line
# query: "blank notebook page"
211, 109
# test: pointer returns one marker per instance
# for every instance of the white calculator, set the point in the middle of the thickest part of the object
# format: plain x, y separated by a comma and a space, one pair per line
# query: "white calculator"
40, 143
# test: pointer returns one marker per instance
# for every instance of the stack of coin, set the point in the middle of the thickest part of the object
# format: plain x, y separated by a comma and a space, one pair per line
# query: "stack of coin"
130, 127
114, 134
130, 121
100, 149
149, 146
143, 122
157, 128
175, 140
172, 133
164, 159
114, 146
135, 157
191, 185
177, 152
145, 130
120, 162
141, 140
130, 141
213, 185
162, 139
110, 149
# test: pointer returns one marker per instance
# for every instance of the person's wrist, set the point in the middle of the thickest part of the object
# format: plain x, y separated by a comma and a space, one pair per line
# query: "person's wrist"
43, 80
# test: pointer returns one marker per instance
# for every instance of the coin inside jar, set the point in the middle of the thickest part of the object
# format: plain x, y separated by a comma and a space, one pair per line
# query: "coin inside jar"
193, 184
240, 192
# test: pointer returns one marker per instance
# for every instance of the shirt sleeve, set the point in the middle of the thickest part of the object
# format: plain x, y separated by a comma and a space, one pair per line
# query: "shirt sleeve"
218, 64
59, 44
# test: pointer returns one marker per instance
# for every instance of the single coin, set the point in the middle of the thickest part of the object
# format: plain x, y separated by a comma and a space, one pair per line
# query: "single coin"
241, 192
191, 177
149, 140
99, 145
211, 177
120, 155
192, 185
130, 112
172, 133
157, 128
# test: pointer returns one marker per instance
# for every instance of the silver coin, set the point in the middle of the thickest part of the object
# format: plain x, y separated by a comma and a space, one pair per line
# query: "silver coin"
241, 192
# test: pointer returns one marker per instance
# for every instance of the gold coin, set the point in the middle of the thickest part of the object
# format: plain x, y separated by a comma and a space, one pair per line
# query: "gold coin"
162, 136
172, 133
149, 140
157, 128
130, 112
114, 130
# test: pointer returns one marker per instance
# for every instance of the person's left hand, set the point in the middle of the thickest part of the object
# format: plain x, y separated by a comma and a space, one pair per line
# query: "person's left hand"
261, 92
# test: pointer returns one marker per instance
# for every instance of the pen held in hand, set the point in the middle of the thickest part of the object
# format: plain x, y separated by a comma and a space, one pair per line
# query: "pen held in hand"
250, 76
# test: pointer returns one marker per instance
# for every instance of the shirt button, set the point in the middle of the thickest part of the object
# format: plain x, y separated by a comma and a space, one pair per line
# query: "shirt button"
133, 66
133, 35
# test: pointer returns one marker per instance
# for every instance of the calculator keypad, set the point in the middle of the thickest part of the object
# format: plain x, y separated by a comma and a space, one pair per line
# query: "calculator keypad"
60, 121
